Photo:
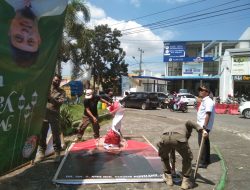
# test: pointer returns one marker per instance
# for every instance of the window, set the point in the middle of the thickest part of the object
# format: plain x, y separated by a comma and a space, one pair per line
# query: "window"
210, 68
174, 69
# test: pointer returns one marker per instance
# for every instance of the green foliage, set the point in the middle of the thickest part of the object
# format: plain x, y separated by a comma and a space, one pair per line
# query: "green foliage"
108, 61
74, 30
76, 111
66, 119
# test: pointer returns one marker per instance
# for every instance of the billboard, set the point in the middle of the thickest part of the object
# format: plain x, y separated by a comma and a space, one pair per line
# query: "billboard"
29, 42
192, 69
240, 66
176, 52
174, 49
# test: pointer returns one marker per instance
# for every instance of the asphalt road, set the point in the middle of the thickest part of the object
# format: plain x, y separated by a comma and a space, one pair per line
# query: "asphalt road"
231, 135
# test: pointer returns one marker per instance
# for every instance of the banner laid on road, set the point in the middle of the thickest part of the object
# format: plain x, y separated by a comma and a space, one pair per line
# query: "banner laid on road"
30, 36
87, 163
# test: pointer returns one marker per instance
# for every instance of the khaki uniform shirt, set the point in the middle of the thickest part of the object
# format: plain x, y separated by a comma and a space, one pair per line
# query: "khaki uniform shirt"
55, 95
180, 131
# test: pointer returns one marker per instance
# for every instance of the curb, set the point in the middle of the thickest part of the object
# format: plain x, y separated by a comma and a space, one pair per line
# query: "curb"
223, 178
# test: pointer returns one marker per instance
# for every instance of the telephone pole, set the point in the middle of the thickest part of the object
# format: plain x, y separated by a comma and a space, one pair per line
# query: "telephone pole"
141, 52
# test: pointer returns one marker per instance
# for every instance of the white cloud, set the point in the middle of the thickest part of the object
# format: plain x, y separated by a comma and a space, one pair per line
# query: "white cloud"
95, 12
136, 3
151, 43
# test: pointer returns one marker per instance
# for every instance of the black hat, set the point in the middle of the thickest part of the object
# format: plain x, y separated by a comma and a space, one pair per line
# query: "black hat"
204, 88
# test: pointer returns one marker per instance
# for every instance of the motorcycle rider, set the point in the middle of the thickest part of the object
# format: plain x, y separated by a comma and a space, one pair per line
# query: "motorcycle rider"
178, 100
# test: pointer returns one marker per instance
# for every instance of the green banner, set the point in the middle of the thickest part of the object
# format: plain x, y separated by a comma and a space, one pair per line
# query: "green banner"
30, 36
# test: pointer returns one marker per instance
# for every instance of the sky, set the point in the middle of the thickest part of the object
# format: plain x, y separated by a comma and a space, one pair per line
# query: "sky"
146, 24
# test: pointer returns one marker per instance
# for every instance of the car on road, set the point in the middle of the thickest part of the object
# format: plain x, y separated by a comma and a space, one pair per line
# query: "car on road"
143, 100
189, 98
244, 109
183, 90
162, 99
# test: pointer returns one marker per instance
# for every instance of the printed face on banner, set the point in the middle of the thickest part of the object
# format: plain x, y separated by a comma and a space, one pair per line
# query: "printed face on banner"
24, 34
24, 37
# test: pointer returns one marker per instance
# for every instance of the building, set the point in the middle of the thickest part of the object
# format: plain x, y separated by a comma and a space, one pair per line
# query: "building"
223, 65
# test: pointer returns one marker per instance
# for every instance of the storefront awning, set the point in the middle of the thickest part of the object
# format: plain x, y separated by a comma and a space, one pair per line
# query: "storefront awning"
172, 78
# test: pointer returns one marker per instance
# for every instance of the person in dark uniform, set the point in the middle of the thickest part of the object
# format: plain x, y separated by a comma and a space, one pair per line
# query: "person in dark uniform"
108, 95
176, 138
56, 98
90, 114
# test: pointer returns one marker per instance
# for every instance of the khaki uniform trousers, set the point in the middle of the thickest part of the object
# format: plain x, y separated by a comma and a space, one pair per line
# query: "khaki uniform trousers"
167, 144
84, 124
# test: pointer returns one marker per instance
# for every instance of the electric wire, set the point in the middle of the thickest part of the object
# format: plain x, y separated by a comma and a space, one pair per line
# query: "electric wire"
178, 17
184, 22
159, 12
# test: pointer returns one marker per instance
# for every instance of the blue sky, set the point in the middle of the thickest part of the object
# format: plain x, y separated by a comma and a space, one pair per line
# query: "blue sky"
131, 16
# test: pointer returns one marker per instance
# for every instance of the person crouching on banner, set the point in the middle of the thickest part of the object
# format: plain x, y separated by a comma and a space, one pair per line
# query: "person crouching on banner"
56, 98
113, 137
176, 138
90, 114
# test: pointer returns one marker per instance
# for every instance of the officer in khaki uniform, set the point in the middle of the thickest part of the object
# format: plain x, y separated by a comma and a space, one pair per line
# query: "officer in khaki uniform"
177, 138
56, 98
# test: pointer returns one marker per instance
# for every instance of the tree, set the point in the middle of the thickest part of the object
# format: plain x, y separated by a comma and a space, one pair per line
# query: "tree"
108, 57
74, 27
98, 49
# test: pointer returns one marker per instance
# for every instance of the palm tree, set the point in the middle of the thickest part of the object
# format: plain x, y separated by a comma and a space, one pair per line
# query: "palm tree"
73, 30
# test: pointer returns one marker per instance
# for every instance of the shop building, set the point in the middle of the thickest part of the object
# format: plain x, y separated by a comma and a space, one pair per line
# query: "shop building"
223, 65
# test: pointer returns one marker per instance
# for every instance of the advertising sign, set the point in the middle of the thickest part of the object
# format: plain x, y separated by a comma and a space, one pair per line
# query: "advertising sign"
192, 69
241, 77
240, 66
29, 42
187, 59
174, 49
176, 52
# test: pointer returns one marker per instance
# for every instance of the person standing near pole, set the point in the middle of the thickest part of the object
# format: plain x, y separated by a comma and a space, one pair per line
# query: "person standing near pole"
205, 118
56, 98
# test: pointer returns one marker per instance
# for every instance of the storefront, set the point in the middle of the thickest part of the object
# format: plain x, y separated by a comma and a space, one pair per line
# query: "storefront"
235, 77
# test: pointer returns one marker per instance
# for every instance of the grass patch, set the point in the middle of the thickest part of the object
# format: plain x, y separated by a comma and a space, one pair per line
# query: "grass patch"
75, 113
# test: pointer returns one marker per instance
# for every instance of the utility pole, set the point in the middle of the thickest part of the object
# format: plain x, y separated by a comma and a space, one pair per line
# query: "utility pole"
141, 52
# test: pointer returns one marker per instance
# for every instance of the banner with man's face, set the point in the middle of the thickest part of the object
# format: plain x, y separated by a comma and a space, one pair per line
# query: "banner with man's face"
30, 37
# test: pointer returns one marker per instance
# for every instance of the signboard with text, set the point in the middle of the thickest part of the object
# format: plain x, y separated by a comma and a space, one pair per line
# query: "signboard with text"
174, 49
188, 59
192, 69
241, 77
176, 52
26, 71
240, 66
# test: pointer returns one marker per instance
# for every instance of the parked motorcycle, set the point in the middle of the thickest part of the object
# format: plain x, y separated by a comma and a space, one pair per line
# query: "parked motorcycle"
182, 106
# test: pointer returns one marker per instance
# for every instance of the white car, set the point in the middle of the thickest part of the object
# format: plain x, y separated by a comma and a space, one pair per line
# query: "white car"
189, 98
244, 109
